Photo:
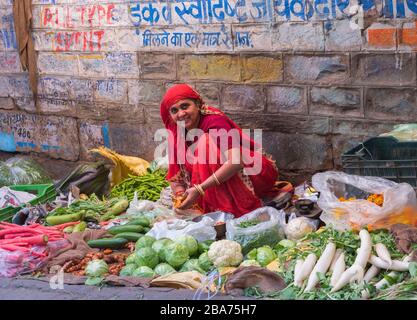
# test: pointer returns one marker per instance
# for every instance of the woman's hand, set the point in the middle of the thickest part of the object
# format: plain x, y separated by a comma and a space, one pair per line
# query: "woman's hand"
192, 196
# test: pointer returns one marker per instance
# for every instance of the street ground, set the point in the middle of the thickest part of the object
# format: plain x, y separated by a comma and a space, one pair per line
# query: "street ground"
38, 289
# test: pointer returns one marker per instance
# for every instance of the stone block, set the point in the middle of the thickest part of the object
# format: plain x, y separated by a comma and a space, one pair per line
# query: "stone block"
261, 68
210, 92
298, 151
384, 69
243, 98
19, 86
92, 134
215, 38
342, 35
6, 103
391, 103
365, 127
126, 113
4, 86
145, 91
298, 37
9, 62
316, 68
58, 63
121, 64
208, 67
287, 100
337, 101
381, 36
111, 91
92, 65
407, 36
157, 66
55, 136
252, 37
132, 140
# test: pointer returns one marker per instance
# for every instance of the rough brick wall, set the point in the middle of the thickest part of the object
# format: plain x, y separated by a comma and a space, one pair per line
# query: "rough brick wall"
318, 76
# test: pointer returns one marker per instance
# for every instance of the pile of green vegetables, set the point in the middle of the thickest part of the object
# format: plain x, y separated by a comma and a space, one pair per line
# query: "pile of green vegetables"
91, 209
164, 256
132, 231
401, 285
148, 186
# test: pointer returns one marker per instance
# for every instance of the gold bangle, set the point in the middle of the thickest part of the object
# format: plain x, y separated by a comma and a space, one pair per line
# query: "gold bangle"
199, 189
216, 179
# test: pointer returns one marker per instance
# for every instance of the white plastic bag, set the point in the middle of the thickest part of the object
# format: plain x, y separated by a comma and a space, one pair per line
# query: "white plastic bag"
269, 231
172, 229
147, 208
345, 215
9, 197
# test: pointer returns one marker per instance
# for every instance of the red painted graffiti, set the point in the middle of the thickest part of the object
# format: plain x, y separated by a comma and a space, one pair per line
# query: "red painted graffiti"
77, 16
78, 41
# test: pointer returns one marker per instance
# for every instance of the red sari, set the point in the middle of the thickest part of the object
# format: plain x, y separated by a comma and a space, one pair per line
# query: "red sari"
238, 195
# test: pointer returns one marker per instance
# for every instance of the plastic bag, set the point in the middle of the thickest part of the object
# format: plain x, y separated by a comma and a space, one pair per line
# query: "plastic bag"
172, 229
148, 208
269, 230
123, 165
355, 214
21, 170
14, 263
9, 197
403, 132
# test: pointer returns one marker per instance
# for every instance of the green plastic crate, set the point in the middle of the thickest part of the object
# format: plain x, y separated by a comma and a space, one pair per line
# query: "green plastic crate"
44, 193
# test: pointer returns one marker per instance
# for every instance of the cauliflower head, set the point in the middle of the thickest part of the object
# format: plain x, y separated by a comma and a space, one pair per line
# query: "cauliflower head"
225, 253
298, 228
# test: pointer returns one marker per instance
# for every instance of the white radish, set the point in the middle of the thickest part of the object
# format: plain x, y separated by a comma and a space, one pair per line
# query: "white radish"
297, 269
308, 266
396, 265
383, 282
383, 253
338, 270
354, 273
371, 273
336, 256
321, 266
365, 249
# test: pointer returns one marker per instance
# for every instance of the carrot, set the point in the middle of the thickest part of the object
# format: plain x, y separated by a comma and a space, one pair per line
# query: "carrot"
41, 239
64, 225
16, 235
11, 247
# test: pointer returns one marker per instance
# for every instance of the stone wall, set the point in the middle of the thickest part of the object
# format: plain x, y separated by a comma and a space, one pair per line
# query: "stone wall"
318, 76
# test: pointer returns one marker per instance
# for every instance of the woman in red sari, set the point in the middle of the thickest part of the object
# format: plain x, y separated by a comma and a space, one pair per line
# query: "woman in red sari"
214, 185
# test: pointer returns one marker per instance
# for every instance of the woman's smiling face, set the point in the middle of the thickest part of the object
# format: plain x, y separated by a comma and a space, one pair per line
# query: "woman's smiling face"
186, 110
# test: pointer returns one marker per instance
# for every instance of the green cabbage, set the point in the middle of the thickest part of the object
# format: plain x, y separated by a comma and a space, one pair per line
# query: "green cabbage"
145, 241
192, 265
252, 255
128, 270
131, 259
205, 262
146, 257
176, 254
190, 243
204, 246
94, 281
265, 255
163, 269
143, 272
249, 263
159, 245
96, 268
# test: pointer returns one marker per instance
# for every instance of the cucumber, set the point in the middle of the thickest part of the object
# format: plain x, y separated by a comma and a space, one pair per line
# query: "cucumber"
126, 228
131, 236
144, 222
112, 243
146, 229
